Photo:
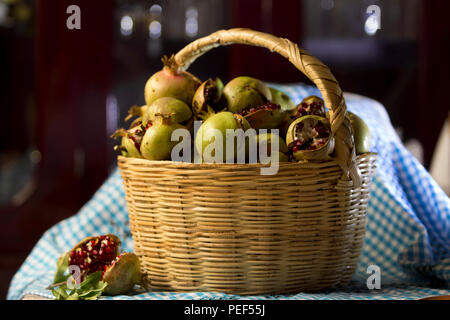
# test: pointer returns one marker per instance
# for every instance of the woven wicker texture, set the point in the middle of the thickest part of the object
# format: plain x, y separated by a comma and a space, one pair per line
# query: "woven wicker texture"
226, 227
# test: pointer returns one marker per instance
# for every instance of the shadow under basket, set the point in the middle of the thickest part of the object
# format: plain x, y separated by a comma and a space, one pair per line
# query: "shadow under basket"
227, 228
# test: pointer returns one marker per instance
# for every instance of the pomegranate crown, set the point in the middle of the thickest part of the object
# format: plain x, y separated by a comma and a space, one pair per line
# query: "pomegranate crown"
170, 63
164, 118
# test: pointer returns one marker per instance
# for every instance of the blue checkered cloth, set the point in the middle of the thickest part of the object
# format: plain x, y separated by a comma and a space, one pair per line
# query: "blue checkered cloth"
407, 237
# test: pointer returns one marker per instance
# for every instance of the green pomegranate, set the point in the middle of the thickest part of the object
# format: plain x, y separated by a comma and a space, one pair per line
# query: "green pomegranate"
156, 143
245, 93
168, 107
219, 123
123, 273
309, 138
361, 133
169, 82
264, 140
282, 99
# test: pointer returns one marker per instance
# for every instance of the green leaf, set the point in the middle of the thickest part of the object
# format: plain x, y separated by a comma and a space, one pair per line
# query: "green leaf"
56, 294
91, 297
90, 288
60, 293
101, 285
91, 280
61, 267
90, 294
73, 297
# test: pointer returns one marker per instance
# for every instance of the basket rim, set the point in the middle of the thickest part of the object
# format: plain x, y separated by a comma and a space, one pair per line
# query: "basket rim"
192, 165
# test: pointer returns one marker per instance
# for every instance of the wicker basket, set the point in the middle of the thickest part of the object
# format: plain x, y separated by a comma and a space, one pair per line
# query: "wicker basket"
226, 227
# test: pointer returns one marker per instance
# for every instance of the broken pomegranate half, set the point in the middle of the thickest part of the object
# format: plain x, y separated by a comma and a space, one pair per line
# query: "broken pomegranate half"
309, 138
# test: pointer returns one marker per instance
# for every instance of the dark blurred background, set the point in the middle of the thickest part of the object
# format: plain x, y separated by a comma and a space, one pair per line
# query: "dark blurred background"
63, 92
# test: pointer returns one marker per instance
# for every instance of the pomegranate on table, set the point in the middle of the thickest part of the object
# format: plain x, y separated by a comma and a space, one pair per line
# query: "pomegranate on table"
103, 269
102, 253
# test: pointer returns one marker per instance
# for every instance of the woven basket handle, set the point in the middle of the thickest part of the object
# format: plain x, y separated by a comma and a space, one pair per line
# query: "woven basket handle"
315, 70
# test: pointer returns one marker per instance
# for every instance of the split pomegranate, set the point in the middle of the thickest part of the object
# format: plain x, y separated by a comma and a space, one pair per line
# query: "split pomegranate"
267, 106
309, 137
311, 105
131, 138
120, 272
94, 253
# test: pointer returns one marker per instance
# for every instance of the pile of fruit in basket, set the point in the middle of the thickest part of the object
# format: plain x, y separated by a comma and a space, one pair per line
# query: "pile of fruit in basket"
176, 99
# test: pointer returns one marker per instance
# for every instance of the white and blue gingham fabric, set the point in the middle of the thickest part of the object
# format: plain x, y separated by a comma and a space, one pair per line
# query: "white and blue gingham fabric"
408, 226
